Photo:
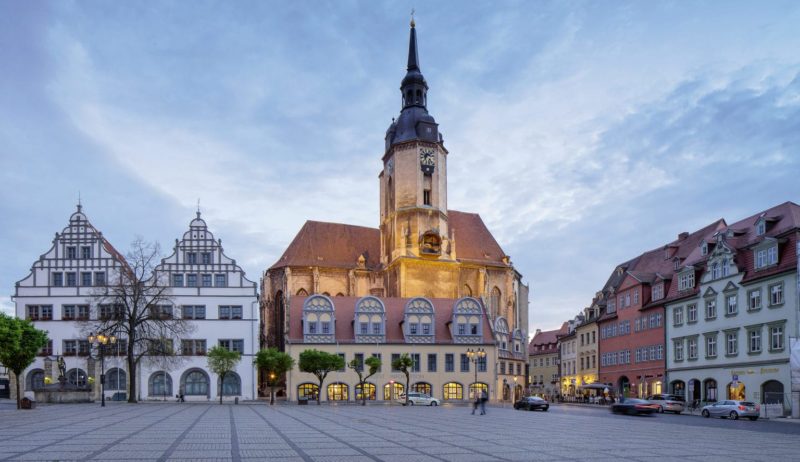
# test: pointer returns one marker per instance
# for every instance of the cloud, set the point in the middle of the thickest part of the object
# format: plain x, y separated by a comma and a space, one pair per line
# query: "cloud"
6, 305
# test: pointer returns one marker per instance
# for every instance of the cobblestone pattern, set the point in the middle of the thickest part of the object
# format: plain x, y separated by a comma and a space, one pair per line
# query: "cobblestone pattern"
183, 432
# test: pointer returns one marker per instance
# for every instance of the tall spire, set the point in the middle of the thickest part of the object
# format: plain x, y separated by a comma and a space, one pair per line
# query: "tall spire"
413, 57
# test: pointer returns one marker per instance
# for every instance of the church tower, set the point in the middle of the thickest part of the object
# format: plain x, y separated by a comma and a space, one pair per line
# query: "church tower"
414, 224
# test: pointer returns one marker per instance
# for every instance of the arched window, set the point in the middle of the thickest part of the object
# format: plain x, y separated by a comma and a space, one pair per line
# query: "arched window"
35, 380
369, 390
419, 320
678, 387
467, 291
307, 390
302, 293
160, 384
452, 390
369, 319
116, 379
77, 377
340, 294
393, 391
326, 294
494, 302
506, 392
195, 383
232, 386
338, 392
479, 387
422, 387
737, 391
772, 392
710, 390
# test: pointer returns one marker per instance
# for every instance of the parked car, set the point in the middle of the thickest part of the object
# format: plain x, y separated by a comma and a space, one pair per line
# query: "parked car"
532, 403
731, 409
422, 399
634, 406
668, 403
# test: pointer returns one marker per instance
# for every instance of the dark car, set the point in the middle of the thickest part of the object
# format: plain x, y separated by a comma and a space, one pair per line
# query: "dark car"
532, 403
634, 406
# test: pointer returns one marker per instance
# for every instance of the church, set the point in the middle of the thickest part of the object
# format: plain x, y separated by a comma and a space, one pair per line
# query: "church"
429, 281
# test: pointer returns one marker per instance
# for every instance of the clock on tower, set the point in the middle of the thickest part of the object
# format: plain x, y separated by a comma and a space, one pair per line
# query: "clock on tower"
427, 161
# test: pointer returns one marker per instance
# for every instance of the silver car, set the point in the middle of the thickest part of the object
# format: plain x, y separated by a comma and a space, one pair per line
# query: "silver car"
667, 403
732, 410
422, 399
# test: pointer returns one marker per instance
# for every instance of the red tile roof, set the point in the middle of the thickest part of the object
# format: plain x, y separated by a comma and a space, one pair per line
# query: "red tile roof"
340, 245
344, 314
544, 338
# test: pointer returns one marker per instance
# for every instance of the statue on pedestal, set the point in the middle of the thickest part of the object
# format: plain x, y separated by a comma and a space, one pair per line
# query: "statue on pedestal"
62, 371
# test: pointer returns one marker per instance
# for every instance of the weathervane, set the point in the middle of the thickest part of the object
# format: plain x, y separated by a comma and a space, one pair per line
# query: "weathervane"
198, 207
79, 201
412, 18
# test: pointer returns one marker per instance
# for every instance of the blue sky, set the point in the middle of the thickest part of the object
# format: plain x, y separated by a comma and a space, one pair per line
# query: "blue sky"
583, 132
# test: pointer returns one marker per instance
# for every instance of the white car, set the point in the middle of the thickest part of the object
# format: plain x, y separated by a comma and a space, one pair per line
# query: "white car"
421, 399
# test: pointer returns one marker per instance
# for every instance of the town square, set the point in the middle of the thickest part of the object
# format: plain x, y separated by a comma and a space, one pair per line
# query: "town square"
363, 230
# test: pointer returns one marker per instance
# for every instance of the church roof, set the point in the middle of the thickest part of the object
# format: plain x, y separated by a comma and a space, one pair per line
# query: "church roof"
332, 245
344, 314
337, 245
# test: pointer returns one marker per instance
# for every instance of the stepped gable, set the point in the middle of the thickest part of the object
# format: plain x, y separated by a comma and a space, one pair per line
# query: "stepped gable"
332, 245
473, 240
344, 314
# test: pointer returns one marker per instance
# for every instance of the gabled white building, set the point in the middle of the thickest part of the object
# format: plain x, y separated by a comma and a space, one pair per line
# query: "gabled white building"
56, 296
208, 289
212, 292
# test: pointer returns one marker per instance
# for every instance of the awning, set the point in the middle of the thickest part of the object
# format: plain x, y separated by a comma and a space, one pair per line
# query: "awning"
595, 386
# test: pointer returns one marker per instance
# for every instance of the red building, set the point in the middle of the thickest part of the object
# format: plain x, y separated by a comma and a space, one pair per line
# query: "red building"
632, 345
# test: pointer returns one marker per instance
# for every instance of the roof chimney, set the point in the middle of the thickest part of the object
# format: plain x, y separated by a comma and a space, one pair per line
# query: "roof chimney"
683, 236
538, 331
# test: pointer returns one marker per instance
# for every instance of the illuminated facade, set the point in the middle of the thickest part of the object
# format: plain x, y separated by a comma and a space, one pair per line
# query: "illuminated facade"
420, 249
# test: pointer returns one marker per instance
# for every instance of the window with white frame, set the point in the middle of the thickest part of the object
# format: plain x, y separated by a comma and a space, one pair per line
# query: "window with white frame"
754, 300
711, 346
677, 315
711, 308
686, 281
731, 344
658, 291
636, 296
776, 338
678, 348
731, 306
776, 294
761, 228
704, 249
692, 348
716, 271
772, 255
754, 339
691, 312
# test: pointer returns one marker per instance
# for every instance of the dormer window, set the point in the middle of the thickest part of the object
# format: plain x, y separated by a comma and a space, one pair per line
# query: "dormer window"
418, 319
318, 319
704, 248
467, 316
658, 291
370, 317
686, 280
766, 256
761, 227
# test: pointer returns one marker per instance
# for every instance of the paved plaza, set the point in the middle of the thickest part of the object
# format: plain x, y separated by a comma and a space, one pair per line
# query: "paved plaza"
172, 431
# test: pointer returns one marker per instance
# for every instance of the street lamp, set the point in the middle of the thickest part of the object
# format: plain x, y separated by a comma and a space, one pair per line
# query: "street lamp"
100, 341
475, 356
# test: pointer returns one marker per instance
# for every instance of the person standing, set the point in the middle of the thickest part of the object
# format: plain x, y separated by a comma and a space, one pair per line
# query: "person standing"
475, 403
484, 398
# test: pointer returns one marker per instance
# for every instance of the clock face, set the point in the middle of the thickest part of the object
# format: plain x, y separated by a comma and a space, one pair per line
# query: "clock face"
427, 160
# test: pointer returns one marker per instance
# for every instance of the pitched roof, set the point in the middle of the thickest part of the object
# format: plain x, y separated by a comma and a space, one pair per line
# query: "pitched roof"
473, 240
339, 245
344, 314
546, 337
333, 245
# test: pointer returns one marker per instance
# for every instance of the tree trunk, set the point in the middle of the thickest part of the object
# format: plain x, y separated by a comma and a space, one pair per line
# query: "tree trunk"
271, 395
19, 398
132, 373
221, 382
408, 379
319, 393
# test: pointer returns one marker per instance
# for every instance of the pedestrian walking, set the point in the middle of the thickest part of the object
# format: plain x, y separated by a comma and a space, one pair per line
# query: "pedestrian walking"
484, 398
475, 403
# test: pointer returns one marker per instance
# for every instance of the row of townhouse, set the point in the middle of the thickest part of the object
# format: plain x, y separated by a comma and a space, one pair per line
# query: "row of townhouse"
709, 316
206, 288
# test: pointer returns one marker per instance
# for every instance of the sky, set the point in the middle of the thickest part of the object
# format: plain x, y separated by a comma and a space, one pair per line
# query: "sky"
584, 133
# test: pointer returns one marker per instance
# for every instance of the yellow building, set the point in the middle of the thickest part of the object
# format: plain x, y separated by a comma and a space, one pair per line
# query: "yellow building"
420, 249
586, 335
543, 362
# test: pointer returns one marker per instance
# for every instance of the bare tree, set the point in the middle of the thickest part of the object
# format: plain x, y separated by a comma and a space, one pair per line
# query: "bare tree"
137, 307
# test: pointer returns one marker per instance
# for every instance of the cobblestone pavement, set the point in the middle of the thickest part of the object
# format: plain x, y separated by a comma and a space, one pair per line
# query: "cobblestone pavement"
171, 431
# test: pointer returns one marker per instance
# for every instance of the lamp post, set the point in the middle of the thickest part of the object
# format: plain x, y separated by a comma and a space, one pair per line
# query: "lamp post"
100, 341
514, 394
475, 356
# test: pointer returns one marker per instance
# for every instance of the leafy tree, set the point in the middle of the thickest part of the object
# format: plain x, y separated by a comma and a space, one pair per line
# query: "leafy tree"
274, 363
19, 343
373, 363
222, 361
320, 364
139, 310
404, 364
